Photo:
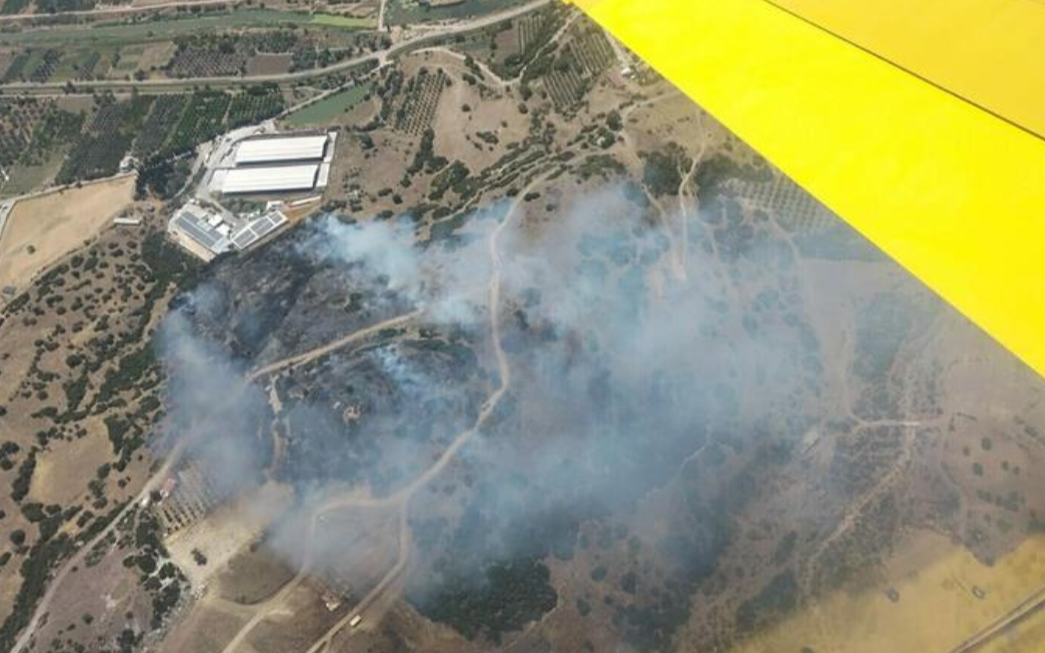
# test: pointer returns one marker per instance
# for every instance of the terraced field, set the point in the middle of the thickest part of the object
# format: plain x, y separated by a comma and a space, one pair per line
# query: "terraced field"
420, 101
582, 60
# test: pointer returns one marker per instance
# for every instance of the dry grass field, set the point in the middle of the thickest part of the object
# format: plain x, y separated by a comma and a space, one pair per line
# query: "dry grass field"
43, 229
155, 55
936, 608
223, 534
61, 479
1025, 637
269, 64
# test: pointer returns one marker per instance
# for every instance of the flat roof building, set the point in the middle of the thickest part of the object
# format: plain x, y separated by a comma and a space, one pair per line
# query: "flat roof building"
279, 149
270, 179
197, 230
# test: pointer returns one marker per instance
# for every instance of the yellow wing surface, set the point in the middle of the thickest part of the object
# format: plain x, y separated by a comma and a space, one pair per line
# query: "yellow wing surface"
919, 122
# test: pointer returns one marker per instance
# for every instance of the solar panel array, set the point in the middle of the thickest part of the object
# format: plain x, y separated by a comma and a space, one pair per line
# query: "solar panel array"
258, 228
198, 229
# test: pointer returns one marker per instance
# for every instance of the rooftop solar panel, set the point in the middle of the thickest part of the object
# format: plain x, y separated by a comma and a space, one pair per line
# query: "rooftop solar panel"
258, 228
198, 232
245, 239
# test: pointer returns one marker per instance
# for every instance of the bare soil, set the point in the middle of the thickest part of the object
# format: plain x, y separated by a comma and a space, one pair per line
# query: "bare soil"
43, 229
269, 64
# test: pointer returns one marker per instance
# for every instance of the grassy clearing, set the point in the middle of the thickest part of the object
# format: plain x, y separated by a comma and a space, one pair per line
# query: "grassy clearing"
406, 12
128, 62
349, 22
159, 30
330, 107
25, 179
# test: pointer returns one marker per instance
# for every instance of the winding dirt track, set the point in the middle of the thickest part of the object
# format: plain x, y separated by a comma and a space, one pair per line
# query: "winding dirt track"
175, 457
401, 498
318, 352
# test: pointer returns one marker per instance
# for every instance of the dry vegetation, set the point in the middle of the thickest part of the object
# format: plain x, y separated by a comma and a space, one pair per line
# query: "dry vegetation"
46, 228
898, 429
78, 386
901, 420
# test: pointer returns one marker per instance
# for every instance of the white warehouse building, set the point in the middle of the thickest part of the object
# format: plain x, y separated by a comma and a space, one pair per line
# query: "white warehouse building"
285, 163
281, 149
270, 179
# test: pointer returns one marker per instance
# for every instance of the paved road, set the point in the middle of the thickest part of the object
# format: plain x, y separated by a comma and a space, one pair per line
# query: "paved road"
1025, 609
380, 56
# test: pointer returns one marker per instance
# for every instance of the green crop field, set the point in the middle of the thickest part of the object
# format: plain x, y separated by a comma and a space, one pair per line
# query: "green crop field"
330, 107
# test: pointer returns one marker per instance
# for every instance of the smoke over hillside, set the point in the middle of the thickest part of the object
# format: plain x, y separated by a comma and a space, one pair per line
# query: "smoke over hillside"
621, 381
224, 420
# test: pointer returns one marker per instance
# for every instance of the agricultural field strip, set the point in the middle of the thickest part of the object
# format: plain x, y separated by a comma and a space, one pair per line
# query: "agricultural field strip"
64, 55
323, 107
381, 56
419, 103
161, 30
593, 54
18, 121
151, 128
103, 11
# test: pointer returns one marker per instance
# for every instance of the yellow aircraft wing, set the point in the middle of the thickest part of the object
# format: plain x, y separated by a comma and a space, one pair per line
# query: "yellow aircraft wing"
922, 124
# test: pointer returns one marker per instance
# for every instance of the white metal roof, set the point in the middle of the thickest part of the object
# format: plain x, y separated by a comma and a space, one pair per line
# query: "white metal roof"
283, 148
324, 175
271, 179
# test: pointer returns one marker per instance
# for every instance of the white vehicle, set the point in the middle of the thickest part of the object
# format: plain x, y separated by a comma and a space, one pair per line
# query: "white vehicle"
355, 621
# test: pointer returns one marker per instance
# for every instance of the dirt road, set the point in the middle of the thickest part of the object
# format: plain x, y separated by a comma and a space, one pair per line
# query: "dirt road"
404, 495
401, 498
318, 352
